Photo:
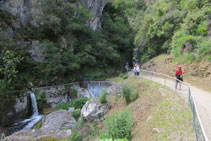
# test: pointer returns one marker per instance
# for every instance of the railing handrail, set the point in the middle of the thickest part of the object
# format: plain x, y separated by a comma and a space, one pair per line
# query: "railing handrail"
194, 102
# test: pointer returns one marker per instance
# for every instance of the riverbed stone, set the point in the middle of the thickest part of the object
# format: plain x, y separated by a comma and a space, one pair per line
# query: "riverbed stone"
55, 125
58, 120
93, 110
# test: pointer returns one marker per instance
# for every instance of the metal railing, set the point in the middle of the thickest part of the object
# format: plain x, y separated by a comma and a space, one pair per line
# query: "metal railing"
197, 123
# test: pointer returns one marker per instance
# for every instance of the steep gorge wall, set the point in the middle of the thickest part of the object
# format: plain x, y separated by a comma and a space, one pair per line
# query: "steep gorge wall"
24, 10
27, 11
95, 7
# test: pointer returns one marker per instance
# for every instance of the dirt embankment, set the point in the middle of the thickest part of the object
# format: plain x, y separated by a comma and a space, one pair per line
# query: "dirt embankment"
158, 113
196, 73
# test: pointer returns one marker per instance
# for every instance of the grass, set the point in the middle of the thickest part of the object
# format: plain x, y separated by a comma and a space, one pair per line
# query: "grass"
115, 79
158, 113
38, 125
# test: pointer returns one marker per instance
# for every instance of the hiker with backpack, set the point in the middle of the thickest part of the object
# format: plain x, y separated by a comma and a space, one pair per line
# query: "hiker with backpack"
179, 76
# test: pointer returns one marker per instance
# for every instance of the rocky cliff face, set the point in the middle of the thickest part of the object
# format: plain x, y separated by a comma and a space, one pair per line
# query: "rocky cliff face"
16, 111
26, 11
95, 7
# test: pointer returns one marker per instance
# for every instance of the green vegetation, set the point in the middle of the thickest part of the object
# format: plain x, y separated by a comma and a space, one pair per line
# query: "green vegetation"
76, 113
41, 101
75, 137
118, 126
166, 26
106, 139
76, 103
103, 97
71, 92
128, 93
38, 125
79, 102
123, 76
72, 51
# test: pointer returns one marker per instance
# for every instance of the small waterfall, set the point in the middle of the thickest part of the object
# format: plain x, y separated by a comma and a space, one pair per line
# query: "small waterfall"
34, 105
35, 118
96, 87
28, 123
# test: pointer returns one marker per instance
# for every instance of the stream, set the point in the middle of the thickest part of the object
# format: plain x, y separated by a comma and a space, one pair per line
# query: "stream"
94, 88
28, 123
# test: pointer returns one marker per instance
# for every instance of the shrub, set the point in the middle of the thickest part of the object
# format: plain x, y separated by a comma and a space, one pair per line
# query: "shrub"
76, 103
126, 93
103, 97
109, 139
71, 92
78, 125
123, 76
118, 126
63, 105
79, 102
134, 96
75, 137
76, 113
41, 101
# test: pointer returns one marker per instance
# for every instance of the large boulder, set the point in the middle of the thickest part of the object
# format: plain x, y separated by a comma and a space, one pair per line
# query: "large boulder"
93, 110
54, 95
56, 125
29, 135
58, 120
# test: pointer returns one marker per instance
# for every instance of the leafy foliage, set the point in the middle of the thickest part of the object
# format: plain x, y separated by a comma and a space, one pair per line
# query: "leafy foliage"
118, 126
123, 76
76, 103
41, 101
134, 96
79, 102
169, 25
76, 113
69, 46
103, 97
128, 93
75, 137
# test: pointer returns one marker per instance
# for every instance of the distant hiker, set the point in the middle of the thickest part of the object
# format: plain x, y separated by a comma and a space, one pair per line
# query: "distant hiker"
179, 77
135, 71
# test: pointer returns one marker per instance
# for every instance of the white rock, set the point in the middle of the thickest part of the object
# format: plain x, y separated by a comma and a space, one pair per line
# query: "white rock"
93, 110
58, 120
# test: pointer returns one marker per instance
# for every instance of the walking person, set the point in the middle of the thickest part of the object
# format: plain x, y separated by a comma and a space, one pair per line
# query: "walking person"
135, 71
179, 77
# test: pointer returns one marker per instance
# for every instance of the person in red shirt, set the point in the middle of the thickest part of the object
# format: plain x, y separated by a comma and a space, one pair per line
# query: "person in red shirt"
179, 77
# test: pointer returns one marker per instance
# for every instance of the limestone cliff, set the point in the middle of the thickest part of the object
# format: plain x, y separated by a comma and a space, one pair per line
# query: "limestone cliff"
26, 11
95, 7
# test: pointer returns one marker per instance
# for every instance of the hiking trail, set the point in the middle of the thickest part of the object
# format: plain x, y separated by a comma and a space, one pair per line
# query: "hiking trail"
202, 99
